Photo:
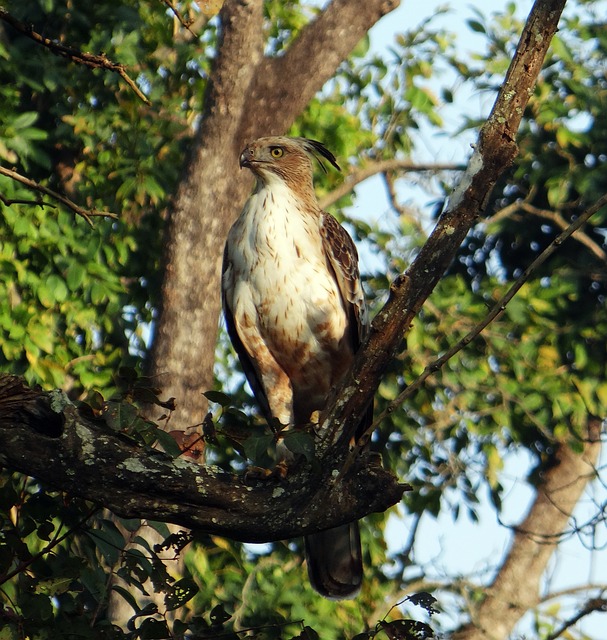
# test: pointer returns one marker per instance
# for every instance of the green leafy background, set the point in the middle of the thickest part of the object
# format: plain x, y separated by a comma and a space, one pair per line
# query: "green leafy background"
77, 301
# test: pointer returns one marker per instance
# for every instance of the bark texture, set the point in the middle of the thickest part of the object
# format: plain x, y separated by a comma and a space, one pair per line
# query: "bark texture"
43, 435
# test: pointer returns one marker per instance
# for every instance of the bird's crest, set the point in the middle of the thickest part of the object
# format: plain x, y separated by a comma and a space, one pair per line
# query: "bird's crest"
316, 148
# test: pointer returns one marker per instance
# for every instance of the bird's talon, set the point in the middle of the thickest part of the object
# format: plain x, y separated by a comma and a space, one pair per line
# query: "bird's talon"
281, 470
254, 474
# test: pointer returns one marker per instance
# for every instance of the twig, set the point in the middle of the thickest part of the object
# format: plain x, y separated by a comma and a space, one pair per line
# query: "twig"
75, 55
558, 219
49, 547
496, 310
592, 605
554, 216
36, 203
87, 214
356, 176
186, 24
399, 209
600, 588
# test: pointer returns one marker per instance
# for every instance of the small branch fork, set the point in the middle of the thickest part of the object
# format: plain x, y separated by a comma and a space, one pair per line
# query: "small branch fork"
87, 214
592, 605
75, 55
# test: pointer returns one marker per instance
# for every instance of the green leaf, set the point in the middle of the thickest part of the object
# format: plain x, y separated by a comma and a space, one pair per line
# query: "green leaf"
151, 629
218, 397
108, 540
128, 596
75, 276
54, 586
120, 415
168, 443
25, 120
10, 632
260, 449
219, 615
300, 443
179, 593
476, 26
41, 337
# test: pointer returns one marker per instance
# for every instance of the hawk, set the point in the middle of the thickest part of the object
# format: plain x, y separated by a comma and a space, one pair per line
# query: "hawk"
295, 313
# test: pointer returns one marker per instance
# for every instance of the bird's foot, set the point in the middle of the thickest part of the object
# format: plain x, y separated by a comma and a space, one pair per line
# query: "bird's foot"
253, 474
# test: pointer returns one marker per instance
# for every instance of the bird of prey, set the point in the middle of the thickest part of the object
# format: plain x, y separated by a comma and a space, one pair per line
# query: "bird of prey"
295, 313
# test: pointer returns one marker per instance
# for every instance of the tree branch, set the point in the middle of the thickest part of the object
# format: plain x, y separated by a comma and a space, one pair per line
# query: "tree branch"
360, 174
283, 84
45, 436
559, 221
75, 55
495, 311
494, 152
592, 605
87, 214
513, 210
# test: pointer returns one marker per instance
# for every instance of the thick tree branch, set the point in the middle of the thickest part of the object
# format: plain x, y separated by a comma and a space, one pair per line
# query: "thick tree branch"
45, 436
494, 152
284, 85
75, 55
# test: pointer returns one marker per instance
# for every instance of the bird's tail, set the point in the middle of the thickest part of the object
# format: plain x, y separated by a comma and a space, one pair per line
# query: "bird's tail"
334, 560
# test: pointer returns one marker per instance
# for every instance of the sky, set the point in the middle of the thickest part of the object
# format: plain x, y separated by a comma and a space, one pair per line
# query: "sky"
463, 547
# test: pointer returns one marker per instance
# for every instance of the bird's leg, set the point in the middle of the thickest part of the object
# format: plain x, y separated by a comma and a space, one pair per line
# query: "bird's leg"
284, 457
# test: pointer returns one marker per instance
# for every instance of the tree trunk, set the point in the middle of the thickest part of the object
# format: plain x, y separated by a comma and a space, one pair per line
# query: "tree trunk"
515, 589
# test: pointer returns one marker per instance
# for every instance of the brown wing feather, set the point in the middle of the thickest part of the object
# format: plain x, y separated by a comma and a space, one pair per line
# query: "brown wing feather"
343, 259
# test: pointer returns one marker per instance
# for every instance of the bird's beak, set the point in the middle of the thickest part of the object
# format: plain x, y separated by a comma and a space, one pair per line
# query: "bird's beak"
246, 157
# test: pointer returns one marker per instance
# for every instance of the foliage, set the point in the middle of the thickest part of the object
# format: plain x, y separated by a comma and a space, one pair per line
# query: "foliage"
81, 295
79, 302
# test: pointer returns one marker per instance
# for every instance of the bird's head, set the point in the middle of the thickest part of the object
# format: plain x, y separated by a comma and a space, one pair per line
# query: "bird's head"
288, 159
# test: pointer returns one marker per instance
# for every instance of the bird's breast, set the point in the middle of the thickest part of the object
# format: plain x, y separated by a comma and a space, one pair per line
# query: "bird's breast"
276, 251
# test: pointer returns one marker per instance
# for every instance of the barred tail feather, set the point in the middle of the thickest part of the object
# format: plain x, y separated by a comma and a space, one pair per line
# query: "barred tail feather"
334, 560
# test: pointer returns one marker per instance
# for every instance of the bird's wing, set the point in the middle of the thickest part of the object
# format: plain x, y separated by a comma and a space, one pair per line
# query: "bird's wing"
343, 260
243, 355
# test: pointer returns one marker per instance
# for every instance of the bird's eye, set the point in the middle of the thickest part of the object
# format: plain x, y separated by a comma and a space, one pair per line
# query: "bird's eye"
276, 152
